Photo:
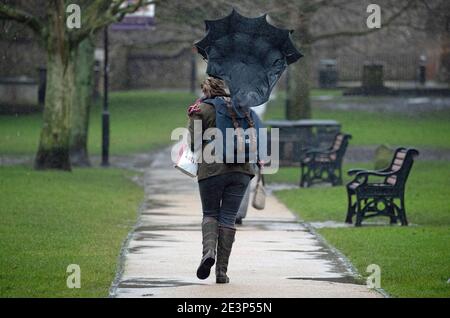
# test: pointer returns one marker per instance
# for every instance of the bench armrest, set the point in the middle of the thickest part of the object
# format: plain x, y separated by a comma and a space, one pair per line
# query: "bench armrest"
306, 150
375, 173
313, 154
362, 176
352, 172
319, 152
381, 172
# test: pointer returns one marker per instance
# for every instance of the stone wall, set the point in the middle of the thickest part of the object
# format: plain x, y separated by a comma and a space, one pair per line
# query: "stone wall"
149, 68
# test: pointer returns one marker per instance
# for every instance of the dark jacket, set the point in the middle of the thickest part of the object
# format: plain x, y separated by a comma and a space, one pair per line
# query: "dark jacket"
207, 115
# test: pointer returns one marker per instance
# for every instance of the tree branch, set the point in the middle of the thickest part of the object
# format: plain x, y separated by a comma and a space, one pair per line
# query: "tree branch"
23, 17
114, 13
349, 33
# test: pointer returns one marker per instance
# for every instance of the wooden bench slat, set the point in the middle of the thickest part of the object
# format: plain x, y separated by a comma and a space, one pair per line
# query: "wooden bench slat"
392, 180
329, 161
368, 193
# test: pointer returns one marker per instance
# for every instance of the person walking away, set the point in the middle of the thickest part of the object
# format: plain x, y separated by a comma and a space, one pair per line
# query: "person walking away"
221, 185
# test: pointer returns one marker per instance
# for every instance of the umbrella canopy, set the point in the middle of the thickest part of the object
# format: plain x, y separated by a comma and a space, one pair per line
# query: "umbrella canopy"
249, 54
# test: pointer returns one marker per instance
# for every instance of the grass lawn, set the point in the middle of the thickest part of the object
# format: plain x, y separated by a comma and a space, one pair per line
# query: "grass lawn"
431, 129
140, 121
414, 260
52, 219
136, 114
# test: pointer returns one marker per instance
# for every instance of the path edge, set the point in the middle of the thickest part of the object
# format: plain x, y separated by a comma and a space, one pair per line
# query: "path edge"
339, 255
120, 267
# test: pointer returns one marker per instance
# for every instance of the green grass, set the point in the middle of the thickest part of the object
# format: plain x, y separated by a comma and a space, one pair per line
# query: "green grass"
414, 260
431, 129
140, 121
52, 219
135, 114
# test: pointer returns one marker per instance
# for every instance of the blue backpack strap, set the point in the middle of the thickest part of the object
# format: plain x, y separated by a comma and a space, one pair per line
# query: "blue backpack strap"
221, 106
216, 101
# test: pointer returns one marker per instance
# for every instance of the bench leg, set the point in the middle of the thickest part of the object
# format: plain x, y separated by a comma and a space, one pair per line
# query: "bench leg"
301, 176
304, 178
402, 212
316, 173
359, 213
332, 178
393, 218
390, 207
337, 178
350, 210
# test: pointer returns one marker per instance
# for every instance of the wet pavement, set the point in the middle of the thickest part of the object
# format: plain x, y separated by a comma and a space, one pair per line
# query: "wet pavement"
274, 255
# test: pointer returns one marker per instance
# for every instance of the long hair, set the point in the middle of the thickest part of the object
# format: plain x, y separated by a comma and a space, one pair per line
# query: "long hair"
213, 87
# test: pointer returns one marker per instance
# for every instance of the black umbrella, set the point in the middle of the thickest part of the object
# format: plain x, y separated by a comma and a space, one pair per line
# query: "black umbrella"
249, 54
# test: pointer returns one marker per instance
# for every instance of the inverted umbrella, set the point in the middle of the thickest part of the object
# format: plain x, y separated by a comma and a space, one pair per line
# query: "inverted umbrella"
249, 54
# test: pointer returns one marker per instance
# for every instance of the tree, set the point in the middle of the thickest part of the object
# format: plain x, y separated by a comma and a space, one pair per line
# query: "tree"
64, 88
312, 21
318, 20
81, 103
437, 22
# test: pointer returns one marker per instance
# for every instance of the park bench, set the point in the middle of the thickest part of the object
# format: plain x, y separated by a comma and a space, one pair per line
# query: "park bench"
324, 164
378, 198
294, 136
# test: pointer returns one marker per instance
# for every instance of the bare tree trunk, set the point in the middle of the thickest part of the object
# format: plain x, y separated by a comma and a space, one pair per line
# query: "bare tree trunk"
61, 45
53, 151
82, 98
299, 87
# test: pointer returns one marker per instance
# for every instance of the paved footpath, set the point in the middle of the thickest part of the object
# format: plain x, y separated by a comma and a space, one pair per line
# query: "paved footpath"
273, 256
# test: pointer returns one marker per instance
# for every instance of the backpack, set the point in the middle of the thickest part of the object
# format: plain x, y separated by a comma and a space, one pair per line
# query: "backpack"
245, 145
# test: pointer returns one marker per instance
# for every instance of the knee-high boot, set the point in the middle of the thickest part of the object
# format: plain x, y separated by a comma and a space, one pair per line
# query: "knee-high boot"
209, 233
224, 245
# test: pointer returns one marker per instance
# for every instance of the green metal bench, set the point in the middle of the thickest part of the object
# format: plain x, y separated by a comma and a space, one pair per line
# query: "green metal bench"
369, 199
324, 165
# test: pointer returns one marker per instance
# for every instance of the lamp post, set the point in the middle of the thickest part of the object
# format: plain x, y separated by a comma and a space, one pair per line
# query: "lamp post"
193, 78
142, 19
287, 99
105, 113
